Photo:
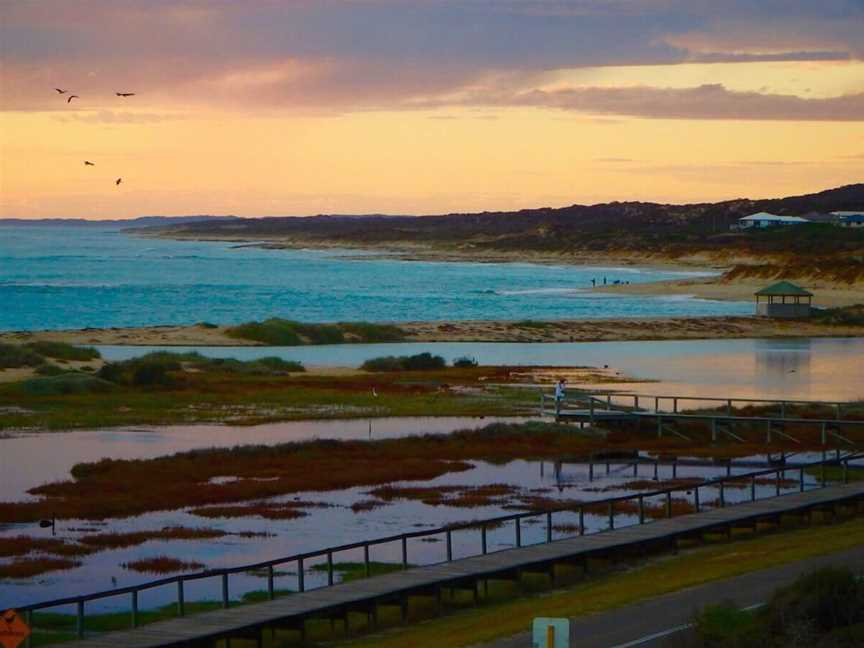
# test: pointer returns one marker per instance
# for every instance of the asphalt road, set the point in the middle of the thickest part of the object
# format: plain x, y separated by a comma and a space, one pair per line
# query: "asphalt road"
647, 624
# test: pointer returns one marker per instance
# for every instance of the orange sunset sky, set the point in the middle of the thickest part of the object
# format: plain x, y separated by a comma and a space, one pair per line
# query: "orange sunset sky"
422, 106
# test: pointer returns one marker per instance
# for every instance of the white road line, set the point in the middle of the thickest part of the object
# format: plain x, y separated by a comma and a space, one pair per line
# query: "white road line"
665, 633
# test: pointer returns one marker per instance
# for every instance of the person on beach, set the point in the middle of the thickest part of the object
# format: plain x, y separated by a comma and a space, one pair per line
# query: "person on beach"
559, 395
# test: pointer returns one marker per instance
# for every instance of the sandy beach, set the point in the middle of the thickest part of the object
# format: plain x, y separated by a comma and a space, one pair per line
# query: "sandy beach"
625, 329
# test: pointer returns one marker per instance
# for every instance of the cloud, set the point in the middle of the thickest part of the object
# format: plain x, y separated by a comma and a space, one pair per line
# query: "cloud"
112, 117
709, 101
335, 55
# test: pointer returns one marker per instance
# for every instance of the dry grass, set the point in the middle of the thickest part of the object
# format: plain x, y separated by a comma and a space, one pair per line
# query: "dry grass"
161, 565
120, 488
102, 541
30, 567
456, 496
268, 510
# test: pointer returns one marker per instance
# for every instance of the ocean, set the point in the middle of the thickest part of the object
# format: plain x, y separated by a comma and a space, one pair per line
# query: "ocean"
78, 277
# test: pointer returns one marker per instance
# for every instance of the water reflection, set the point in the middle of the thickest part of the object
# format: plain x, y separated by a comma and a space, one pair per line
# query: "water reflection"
818, 368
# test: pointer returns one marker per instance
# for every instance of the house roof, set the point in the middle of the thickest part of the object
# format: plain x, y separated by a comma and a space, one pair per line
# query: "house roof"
786, 288
774, 217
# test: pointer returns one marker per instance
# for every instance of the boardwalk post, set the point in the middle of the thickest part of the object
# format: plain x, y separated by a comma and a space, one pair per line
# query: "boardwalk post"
713, 429
79, 622
404, 552
548, 527
135, 608
225, 590
612, 514
271, 590
675, 468
675, 405
483, 537
329, 567
696, 498
181, 599
366, 566
722, 495
729, 407
801, 480
668, 504
449, 545
768, 433
641, 510
581, 520
301, 575
656, 403
753, 489
591, 410
824, 433
777, 483
659, 426
518, 533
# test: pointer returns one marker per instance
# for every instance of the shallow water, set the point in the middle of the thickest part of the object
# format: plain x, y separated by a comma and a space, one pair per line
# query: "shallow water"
28, 460
795, 368
338, 525
73, 277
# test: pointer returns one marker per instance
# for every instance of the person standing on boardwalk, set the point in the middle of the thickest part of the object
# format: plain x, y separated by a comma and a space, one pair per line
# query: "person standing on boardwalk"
560, 387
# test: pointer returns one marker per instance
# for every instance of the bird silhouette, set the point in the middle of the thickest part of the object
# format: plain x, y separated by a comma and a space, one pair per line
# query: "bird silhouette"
61, 91
88, 163
125, 94
71, 97
118, 181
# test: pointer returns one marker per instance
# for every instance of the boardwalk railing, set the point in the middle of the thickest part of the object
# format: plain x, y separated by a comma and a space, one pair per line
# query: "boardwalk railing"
606, 507
608, 399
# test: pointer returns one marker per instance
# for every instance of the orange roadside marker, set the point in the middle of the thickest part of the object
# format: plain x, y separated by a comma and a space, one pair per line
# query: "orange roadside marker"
13, 629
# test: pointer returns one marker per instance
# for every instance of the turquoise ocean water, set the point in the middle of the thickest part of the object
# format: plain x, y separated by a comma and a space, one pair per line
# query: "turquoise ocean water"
73, 277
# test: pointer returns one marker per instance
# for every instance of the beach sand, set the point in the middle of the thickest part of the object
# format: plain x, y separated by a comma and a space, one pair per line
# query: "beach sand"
659, 328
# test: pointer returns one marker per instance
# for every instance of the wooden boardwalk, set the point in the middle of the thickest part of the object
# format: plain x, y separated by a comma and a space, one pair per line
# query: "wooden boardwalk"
365, 595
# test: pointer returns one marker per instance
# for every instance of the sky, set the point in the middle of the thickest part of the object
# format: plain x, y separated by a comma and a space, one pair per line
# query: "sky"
299, 107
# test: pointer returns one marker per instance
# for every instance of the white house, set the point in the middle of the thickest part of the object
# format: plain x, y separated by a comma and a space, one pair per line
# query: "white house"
849, 218
764, 219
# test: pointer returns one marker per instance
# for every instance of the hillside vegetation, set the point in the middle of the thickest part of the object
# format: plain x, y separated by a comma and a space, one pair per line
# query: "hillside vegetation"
626, 228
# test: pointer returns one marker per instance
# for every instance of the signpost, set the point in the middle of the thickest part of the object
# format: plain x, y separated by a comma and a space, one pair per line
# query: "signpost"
550, 633
13, 629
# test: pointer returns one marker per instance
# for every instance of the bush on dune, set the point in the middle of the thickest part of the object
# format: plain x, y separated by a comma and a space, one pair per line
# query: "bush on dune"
13, 356
160, 369
419, 362
66, 383
282, 332
63, 351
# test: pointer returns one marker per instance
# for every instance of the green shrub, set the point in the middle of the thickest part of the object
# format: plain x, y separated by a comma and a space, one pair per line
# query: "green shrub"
48, 369
829, 598
67, 383
263, 366
282, 332
465, 362
384, 363
419, 362
14, 355
153, 369
725, 624
63, 351
369, 332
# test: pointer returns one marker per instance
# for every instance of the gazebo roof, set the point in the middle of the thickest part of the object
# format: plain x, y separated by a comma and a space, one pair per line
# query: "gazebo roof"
784, 288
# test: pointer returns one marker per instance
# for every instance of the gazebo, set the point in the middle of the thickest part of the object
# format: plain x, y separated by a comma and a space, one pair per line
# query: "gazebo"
784, 299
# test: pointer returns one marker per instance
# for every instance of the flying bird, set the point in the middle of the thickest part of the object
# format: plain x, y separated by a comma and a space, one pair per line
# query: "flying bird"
59, 90
88, 163
125, 94
71, 97
118, 181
